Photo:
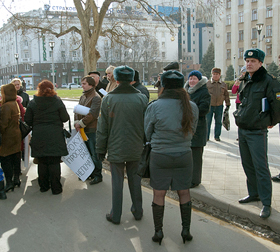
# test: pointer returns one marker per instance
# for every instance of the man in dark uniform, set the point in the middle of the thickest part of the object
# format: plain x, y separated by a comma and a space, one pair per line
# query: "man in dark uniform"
96, 76
252, 121
136, 83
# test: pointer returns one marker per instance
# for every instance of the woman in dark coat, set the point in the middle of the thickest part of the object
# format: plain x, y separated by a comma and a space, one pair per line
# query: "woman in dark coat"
169, 125
46, 113
197, 89
11, 136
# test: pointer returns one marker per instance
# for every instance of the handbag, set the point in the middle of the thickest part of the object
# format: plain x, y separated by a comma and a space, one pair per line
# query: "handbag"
24, 128
143, 168
66, 133
226, 121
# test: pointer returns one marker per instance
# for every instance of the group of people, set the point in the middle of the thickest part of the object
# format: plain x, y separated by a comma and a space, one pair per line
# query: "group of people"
177, 125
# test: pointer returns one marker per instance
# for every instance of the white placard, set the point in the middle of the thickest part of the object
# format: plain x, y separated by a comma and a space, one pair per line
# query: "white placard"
78, 159
81, 110
102, 91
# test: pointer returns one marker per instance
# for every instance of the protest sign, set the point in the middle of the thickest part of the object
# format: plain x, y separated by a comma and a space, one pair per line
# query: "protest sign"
79, 159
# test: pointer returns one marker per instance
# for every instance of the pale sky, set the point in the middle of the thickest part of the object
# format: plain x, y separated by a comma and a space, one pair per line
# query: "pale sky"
26, 5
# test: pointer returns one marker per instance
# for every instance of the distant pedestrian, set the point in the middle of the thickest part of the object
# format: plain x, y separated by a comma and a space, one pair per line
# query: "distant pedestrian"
46, 114
170, 123
219, 93
120, 131
252, 121
196, 87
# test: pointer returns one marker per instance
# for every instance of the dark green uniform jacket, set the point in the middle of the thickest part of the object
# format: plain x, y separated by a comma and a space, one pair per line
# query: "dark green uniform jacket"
200, 96
120, 127
46, 116
249, 116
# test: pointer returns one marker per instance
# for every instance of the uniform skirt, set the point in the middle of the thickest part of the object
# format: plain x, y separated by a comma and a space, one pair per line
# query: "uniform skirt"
172, 170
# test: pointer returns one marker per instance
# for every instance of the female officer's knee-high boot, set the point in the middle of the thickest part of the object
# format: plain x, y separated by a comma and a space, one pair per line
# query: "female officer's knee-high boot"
186, 210
158, 222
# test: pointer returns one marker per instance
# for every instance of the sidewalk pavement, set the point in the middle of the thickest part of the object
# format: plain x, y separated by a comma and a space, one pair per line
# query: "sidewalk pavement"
224, 181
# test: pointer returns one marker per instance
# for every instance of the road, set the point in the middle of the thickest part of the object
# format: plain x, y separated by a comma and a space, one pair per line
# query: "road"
75, 221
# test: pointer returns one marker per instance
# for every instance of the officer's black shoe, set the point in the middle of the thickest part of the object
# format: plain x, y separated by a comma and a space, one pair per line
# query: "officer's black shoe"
248, 199
276, 178
218, 139
96, 180
110, 219
265, 212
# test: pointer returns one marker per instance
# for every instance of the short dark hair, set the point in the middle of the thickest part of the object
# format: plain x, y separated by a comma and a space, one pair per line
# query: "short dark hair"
94, 72
89, 80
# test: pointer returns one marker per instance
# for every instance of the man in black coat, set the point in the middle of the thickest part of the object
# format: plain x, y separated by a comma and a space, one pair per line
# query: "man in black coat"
96, 76
136, 83
253, 120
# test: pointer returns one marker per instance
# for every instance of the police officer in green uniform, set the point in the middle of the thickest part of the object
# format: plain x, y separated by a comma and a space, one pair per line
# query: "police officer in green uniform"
252, 124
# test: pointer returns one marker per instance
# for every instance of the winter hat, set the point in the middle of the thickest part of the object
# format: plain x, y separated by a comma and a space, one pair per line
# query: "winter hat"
195, 73
172, 66
255, 53
136, 76
123, 73
172, 79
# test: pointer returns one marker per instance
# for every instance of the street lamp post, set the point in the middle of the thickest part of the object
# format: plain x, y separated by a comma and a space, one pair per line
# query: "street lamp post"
51, 43
181, 65
259, 27
234, 56
143, 64
32, 65
16, 57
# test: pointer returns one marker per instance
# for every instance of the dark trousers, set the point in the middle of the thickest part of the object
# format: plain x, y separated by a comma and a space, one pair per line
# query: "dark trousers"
134, 184
218, 114
253, 151
11, 166
49, 172
91, 147
197, 153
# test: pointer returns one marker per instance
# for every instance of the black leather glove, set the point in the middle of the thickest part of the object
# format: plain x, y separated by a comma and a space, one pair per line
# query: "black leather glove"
100, 156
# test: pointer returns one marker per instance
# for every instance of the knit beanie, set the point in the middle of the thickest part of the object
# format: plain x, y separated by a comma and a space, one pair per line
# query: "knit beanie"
195, 73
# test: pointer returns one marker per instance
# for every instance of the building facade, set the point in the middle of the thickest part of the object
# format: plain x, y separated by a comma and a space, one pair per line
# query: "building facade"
244, 25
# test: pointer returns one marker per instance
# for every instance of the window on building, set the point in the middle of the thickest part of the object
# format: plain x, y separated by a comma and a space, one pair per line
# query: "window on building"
228, 3
184, 34
50, 54
268, 32
74, 53
240, 2
240, 35
228, 37
26, 55
163, 44
184, 50
228, 53
193, 42
228, 19
193, 50
155, 65
25, 42
184, 42
64, 66
163, 54
106, 54
240, 52
62, 54
255, 14
62, 41
26, 67
269, 11
254, 33
191, 58
240, 17
162, 34
269, 49
106, 42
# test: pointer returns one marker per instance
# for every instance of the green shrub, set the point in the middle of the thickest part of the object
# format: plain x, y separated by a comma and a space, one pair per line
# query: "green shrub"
229, 84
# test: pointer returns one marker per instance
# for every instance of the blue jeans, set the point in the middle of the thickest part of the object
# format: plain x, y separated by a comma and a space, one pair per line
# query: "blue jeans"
91, 142
218, 114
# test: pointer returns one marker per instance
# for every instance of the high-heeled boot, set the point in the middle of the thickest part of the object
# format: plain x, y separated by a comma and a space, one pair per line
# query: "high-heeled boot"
17, 181
158, 222
186, 210
9, 185
2, 191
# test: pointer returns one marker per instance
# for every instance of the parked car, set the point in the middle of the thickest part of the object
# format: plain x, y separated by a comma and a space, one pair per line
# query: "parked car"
73, 85
64, 85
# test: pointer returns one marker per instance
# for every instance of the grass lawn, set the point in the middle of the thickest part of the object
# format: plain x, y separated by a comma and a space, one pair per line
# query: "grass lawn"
76, 93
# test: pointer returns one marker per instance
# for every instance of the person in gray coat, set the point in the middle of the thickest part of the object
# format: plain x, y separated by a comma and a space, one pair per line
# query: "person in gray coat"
197, 89
170, 123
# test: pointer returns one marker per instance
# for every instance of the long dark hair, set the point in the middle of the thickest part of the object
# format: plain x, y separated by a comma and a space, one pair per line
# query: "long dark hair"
187, 118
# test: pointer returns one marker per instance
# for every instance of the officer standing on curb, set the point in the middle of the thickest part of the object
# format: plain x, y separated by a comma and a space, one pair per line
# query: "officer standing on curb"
252, 121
